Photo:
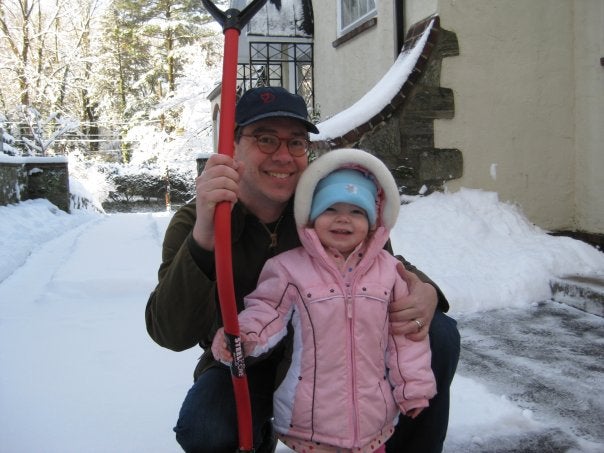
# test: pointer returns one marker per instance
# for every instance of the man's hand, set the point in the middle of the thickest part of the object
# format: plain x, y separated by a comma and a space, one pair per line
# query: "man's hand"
412, 315
218, 182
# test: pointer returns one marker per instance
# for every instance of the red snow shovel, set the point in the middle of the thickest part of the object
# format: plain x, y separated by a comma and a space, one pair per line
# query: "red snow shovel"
232, 21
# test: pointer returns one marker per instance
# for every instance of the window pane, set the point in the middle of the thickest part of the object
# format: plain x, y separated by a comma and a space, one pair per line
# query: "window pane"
347, 14
353, 10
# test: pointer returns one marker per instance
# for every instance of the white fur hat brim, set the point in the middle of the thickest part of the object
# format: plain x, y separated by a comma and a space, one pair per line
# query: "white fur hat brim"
348, 158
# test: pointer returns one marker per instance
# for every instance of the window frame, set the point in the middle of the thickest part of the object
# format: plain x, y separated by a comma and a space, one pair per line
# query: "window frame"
343, 29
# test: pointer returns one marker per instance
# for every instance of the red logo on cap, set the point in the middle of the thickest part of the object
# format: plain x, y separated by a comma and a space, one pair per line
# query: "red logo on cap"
267, 97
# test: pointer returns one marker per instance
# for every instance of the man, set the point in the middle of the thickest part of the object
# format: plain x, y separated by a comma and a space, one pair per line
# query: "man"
271, 140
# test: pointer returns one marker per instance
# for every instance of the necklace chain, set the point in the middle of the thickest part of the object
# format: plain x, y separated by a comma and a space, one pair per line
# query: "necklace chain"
272, 234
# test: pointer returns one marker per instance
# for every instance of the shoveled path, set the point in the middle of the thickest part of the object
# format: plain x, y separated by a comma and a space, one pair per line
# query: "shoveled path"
547, 359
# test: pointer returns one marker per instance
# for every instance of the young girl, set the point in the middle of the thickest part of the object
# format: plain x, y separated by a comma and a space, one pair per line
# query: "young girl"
349, 376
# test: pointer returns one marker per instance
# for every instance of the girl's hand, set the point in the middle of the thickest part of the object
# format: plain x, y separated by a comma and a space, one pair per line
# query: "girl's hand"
414, 412
220, 349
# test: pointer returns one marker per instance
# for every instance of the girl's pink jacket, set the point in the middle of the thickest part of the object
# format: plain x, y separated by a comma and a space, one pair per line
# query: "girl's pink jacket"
349, 377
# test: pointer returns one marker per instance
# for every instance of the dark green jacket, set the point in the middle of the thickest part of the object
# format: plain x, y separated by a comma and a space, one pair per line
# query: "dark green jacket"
183, 309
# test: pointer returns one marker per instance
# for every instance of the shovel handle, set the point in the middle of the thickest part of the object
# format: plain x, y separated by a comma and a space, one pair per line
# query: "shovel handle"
232, 21
233, 18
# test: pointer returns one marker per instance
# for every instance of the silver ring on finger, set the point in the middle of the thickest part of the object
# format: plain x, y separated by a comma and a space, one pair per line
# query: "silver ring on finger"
420, 324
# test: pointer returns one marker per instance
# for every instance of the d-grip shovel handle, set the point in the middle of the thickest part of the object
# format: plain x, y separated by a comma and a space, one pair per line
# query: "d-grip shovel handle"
233, 18
232, 21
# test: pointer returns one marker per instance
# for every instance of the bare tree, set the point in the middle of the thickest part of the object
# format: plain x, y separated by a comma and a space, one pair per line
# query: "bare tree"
16, 26
46, 58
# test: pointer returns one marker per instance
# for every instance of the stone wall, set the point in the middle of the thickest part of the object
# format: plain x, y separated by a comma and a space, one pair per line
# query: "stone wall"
12, 182
27, 178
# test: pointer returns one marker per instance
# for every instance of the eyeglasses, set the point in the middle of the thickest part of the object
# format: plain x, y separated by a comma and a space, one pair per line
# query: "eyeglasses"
269, 143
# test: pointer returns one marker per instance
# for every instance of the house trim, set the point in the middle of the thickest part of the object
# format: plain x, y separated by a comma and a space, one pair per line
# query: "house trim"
355, 32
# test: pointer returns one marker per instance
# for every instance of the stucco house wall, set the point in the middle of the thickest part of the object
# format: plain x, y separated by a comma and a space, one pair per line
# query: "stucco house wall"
345, 73
528, 85
524, 105
589, 114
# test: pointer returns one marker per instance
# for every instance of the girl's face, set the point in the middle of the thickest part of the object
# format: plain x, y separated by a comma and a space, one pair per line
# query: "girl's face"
342, 226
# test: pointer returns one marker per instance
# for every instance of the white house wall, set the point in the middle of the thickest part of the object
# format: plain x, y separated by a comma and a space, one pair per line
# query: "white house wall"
363, 60
416, 10
529, 97
589, 114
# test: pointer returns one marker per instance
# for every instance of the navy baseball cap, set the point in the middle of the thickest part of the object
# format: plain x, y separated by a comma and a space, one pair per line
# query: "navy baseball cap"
271, 102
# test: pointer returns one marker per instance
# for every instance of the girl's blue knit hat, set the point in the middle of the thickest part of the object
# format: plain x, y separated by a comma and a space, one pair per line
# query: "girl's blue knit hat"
345, 186
388, 199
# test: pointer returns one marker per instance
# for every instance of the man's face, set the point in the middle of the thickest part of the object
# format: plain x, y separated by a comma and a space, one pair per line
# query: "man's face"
270, 178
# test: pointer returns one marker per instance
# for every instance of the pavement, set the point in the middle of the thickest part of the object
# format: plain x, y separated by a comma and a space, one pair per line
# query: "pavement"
547, 359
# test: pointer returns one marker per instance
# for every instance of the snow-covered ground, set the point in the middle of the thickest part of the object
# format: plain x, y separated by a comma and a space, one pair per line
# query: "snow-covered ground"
78, 372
